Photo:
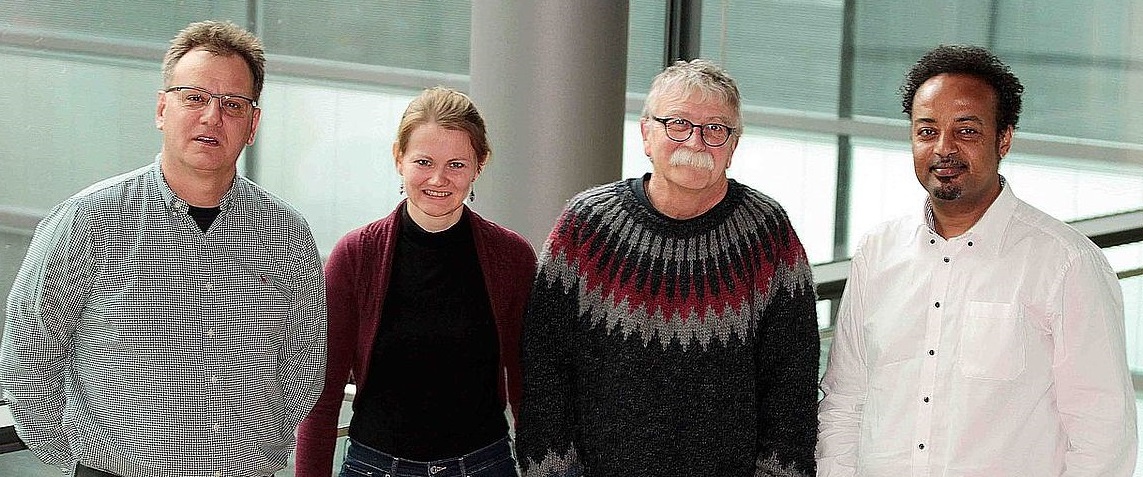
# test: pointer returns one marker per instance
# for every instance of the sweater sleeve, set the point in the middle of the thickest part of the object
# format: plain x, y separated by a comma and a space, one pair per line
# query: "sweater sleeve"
317, 434
787, 353
545, 436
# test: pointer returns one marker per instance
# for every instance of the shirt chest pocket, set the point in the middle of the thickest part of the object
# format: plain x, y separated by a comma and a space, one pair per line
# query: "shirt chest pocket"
992, 341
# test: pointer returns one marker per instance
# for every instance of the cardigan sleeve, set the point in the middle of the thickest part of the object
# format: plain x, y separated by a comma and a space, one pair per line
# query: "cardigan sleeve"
317, 434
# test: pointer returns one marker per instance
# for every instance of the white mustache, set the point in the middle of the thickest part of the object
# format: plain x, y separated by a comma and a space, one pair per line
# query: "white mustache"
686, 157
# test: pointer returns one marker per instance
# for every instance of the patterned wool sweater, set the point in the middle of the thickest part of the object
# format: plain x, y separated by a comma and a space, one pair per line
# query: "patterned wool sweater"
661, 347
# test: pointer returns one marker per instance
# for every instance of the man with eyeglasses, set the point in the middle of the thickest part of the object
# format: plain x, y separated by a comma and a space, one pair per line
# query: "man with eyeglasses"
672, 327
171, 321
977, 336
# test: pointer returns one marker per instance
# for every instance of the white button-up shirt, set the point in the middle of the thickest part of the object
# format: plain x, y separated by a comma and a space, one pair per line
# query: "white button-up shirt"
999, 352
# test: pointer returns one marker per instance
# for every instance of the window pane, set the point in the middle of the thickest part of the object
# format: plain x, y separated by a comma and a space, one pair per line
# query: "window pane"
328, 151
1070, 189
646, 40
783, 53
413, 34
120, 19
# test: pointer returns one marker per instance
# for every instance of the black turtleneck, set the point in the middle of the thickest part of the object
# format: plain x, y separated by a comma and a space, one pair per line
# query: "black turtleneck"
432, 388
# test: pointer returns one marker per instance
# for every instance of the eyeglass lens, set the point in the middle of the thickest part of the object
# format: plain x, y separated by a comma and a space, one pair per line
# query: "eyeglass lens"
197, 99
713, 134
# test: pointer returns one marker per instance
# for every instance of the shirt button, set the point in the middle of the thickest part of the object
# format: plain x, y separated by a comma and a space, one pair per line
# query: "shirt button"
210, 332
970, 243
218, 473
921, 446
214, 379
946, 260
926, 399
937, 304
217, 427
209, 286
932, 352
932, 240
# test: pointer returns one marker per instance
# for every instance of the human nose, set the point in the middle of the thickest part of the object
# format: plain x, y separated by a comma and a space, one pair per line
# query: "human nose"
439, 175
212, 113
696, 140
946, 145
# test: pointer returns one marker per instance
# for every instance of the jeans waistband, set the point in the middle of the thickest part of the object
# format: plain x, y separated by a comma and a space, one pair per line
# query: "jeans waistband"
438, 468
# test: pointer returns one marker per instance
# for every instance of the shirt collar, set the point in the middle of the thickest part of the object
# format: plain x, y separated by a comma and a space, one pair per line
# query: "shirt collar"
989, 231
173, 201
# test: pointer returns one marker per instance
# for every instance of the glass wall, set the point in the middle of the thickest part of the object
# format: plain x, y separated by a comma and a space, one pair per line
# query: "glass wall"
819, 80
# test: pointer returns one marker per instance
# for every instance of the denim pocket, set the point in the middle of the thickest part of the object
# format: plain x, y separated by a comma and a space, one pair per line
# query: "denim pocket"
351, 468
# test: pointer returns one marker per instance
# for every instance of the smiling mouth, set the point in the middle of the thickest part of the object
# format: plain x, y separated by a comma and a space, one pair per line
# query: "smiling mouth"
434, 193
948, 169
207, 140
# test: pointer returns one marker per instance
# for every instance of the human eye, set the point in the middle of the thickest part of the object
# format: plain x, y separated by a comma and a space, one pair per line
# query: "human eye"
423, 162
457, 165
716, 128
968, 131
925, 132
678, 124
194, 98
233, 104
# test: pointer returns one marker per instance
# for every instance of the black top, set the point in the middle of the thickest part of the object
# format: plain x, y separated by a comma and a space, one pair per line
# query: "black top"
203, 216
432, 390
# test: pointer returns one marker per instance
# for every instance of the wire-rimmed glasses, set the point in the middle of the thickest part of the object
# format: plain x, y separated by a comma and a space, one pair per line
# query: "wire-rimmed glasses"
196, 99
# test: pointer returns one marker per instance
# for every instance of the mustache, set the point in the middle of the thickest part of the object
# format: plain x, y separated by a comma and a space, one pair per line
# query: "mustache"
946, 162
686, 157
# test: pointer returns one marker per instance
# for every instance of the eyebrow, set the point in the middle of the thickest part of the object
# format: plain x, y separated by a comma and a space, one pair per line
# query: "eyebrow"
960, 119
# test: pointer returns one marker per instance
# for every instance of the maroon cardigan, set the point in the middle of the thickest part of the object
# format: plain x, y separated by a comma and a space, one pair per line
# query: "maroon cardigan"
357, 277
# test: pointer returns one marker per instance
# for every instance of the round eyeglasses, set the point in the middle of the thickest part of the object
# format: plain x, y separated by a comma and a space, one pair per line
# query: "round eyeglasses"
196, 99
712, 134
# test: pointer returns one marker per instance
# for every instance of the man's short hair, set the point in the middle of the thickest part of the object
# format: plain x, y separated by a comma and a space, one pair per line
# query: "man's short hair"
219, 38
973, 61
700, 76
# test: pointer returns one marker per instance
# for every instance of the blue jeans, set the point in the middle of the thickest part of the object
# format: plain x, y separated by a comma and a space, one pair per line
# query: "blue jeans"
494, 460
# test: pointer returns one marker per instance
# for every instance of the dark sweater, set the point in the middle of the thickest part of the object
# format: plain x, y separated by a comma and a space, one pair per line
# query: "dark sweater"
661, 347
357, 278
435, 359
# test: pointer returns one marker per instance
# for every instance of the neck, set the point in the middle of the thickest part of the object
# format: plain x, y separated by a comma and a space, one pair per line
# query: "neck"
953, 219
680, 203
433, 224
198, 188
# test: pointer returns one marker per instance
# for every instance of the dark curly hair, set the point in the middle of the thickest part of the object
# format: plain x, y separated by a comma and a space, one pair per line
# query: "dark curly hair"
973, 61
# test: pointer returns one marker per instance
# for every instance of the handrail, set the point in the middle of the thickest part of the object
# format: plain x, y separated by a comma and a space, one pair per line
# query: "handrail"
1105, 231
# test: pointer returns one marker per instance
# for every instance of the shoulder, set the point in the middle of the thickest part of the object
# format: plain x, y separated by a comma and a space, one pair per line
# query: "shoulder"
374, 234
887, 236
1045, 233
114, 190
599, 196
498, 234
755, 201
106, 197
268, 204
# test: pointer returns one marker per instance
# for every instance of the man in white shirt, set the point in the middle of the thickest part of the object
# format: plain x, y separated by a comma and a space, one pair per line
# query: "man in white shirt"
978, 337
